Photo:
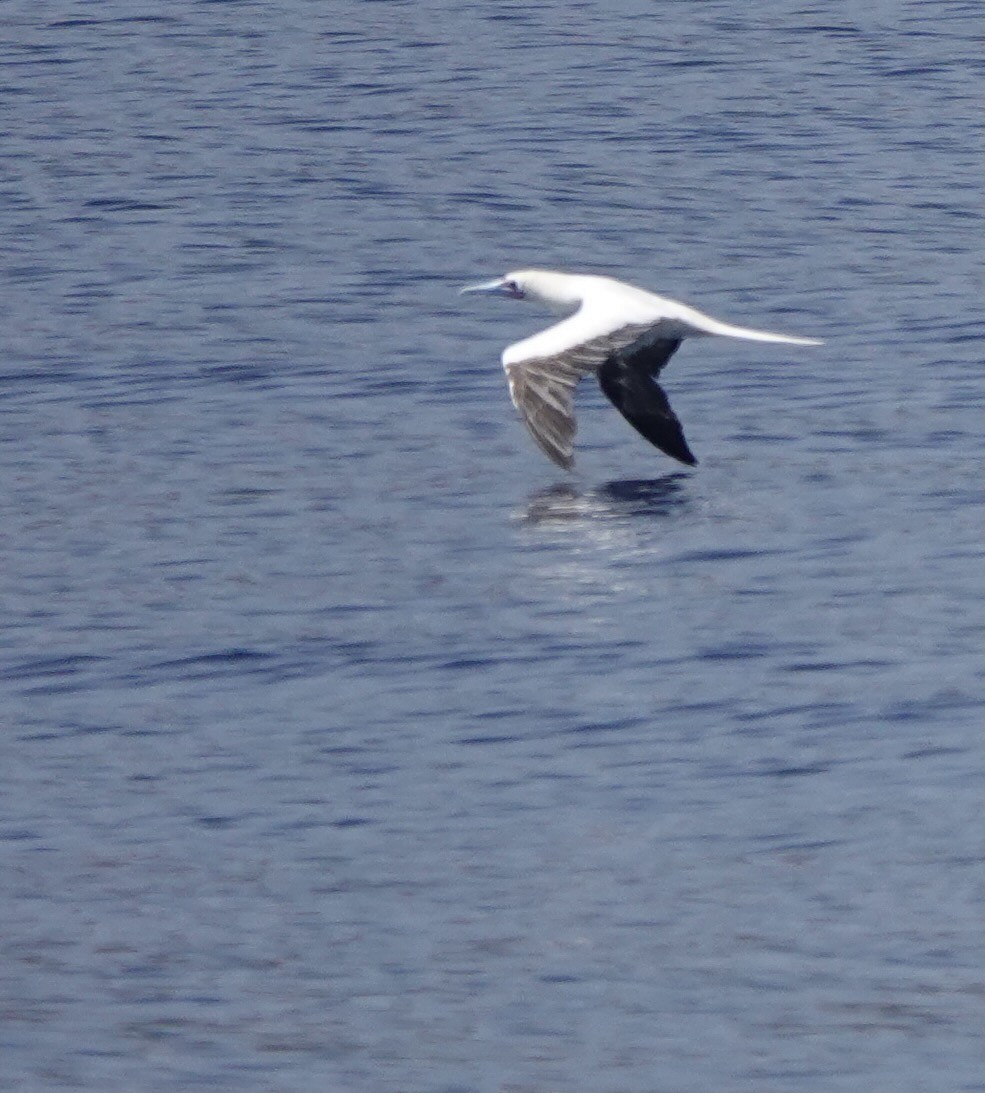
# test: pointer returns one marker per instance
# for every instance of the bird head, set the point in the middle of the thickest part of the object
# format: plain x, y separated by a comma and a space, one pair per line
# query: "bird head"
559, 291
509, 285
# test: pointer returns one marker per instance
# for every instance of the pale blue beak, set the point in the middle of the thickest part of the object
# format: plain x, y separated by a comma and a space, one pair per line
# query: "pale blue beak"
495, 288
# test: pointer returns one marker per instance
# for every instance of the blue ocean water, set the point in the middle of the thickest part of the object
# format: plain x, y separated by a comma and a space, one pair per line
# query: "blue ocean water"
348, 744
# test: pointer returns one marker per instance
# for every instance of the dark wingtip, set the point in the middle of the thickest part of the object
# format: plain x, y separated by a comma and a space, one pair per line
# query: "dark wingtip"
630, 387
687, 456
677, 448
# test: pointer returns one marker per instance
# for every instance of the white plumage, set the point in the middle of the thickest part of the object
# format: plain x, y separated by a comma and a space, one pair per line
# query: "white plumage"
623, 334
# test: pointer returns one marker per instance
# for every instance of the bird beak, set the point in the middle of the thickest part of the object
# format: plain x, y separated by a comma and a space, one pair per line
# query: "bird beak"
497, 287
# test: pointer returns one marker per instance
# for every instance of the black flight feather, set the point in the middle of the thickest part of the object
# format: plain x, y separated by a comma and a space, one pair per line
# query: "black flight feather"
628, 381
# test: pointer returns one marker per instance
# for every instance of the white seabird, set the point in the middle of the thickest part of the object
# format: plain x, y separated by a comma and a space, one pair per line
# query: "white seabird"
623, 334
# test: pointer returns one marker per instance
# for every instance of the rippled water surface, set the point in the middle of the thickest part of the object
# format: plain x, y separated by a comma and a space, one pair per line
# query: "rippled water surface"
349, 745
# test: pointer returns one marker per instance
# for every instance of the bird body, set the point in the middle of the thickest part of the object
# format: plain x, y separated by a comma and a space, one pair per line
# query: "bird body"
624, 334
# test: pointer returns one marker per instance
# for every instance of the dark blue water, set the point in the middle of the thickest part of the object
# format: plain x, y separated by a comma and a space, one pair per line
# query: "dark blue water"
349, 745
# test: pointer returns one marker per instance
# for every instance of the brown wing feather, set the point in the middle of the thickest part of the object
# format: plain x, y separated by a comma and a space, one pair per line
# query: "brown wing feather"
543, 390
545, 398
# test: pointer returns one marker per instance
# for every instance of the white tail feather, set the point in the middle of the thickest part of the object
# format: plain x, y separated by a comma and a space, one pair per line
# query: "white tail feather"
705, 324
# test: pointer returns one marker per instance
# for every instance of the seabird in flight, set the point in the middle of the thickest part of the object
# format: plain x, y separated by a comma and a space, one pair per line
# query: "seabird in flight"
623, 334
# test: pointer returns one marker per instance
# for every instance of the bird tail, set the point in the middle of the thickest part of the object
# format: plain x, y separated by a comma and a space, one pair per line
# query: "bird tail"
705, 324
748, 335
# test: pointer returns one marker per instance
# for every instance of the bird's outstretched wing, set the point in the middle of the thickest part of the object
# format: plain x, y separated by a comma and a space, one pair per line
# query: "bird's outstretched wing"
544, 393
628, 381
543, 390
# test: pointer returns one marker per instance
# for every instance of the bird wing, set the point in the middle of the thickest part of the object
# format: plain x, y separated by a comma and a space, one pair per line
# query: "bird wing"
649, 354
628, 381
543, 389
544, 393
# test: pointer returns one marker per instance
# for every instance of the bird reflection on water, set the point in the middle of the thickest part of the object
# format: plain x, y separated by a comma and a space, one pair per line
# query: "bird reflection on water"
619, 499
